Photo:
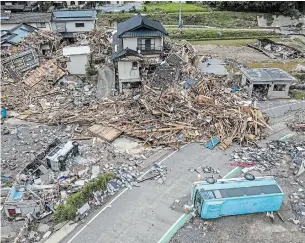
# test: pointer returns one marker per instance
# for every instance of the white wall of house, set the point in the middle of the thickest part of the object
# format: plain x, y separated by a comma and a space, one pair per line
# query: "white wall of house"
71, 27
77, 64
132, 43
127, 72
5, 26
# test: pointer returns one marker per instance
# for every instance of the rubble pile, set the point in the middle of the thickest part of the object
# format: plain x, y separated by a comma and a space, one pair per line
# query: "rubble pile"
297, 123
264, 159
43, 38
198, 112
99, 43
276, 50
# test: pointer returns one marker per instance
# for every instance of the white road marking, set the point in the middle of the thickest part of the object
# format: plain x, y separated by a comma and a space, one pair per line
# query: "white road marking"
120, 194
289, 104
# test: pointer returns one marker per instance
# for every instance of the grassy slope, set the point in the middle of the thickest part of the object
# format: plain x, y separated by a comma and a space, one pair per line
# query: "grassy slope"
224, 19
204, 34
172, 7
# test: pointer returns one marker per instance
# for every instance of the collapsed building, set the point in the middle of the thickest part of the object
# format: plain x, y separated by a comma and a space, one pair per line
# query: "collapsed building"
273, 82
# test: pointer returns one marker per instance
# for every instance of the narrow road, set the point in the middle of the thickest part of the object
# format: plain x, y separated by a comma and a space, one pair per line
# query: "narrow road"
143, 214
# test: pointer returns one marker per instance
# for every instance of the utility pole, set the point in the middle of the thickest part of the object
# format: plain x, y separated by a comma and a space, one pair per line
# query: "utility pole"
180, 24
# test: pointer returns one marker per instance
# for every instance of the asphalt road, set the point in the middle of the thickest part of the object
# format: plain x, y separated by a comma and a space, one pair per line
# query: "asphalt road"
143, 214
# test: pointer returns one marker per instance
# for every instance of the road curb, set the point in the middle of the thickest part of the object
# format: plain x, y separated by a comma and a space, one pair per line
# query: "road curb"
186, 217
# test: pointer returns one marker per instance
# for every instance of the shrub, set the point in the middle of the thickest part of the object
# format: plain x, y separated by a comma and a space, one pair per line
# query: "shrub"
68, 210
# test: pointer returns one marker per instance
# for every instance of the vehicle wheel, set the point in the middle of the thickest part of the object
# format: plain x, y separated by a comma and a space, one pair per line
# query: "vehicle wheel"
249, 177
210, 180
75, 143
61, 158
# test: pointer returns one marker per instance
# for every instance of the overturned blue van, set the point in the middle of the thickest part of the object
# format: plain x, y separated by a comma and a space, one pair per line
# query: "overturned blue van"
236, 196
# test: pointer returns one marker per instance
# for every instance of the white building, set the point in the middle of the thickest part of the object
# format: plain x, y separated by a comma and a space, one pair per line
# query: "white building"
68, 22
78, 59
136, 38
37, 20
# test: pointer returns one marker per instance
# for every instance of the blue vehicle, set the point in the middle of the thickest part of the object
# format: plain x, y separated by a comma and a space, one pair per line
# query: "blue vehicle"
236, 196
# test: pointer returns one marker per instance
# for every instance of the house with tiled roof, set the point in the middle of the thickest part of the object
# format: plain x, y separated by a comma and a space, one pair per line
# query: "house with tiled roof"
136, 39
35, 19
68, 22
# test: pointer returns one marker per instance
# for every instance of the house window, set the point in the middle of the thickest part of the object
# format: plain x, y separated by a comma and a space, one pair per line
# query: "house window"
41, 25
134, 65
146, 44
79, 25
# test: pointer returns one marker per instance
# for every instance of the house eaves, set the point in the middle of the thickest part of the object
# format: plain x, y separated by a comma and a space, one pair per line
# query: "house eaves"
143, 33
137, 22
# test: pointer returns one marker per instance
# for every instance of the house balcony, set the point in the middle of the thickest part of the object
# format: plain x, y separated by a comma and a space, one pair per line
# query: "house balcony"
151, 51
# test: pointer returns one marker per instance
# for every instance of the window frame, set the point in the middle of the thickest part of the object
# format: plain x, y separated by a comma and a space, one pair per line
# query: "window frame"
134, 67
83, 25
141, 44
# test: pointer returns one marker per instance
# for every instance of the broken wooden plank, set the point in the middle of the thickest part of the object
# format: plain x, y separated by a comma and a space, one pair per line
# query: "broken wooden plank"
105, 132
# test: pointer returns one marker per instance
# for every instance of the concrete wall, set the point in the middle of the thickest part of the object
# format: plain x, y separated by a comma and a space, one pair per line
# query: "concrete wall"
22, 208
77, 64
279, 21
5, 26
70, 26
132, 43
127, 73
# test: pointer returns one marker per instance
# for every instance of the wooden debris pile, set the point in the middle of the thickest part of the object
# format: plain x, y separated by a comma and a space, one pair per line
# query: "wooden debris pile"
99, 43
44, 42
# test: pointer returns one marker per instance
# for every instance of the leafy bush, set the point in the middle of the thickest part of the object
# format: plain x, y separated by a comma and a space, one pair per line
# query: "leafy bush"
68, 210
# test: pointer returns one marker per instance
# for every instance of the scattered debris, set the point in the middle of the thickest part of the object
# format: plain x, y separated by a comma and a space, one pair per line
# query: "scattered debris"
276, 50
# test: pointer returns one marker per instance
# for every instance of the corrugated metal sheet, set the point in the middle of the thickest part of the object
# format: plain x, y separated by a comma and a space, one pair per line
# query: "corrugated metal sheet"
143, 33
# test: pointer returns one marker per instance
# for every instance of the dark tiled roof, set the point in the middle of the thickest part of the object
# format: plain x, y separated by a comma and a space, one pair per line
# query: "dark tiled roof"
12, 7
28, 17
143, 33
139, 21
124, 53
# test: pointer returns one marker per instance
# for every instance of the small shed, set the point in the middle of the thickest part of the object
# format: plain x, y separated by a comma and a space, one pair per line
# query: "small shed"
78, 58
276, 80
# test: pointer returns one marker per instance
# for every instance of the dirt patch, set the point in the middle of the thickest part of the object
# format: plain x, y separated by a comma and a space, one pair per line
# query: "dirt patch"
239, 54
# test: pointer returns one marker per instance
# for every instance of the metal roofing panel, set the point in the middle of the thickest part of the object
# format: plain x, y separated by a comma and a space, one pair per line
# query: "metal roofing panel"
75, 14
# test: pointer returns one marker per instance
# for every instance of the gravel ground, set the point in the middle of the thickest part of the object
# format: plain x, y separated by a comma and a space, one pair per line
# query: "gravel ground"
239, 54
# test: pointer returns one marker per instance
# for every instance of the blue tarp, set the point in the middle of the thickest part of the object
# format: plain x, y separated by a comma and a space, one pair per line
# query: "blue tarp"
212, 143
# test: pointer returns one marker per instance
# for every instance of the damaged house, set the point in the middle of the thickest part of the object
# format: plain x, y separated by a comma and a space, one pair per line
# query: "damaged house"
137, 40
69, 22
271, 82
14, 36
35, 19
